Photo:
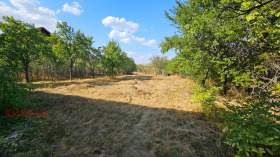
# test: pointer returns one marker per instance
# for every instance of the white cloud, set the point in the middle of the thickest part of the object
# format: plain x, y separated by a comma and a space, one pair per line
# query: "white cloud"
130, 38
130, 53
75, 8
28, 11
120, 24
125, 37
150, 42
123, 30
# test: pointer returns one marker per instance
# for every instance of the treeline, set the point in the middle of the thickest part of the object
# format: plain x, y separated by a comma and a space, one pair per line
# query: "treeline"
157, 66
233, 44
65, 54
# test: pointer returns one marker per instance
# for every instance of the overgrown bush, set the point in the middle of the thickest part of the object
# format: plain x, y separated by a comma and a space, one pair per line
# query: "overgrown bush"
12, 94
207, 99
253, 125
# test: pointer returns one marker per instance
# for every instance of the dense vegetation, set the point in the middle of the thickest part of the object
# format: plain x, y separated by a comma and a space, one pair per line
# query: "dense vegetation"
65, 54
26, 50
233, 45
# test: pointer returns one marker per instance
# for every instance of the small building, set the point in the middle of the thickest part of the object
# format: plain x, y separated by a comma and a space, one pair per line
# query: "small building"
45, 31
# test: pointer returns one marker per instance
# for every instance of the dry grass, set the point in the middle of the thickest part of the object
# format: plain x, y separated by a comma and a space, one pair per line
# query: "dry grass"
135, 115
143, 90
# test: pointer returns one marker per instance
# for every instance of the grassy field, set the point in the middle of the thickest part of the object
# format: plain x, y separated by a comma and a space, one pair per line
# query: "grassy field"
131, 116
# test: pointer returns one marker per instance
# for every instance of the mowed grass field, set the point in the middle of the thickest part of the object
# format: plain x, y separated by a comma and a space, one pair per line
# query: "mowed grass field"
131, 116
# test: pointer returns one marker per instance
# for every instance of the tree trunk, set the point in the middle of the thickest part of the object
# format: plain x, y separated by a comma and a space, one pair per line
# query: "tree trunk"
156, 71
71, 70
112, 71
92, 73
225, 85
204, 79
26, 73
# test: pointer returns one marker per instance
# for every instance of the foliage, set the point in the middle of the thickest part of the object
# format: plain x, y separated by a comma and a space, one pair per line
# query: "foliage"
207, 99
253, 125
112, 58
94, 60
145, 68
21, 44
128, 65
175, 66
159, 63
70, 46
233, 43
139, 67
12, 94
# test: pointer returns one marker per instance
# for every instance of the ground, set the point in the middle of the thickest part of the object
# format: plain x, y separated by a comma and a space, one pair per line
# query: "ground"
132, 116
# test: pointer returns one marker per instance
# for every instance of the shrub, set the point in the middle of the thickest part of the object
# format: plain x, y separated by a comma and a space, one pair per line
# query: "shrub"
253, 125
12, 94
207, 99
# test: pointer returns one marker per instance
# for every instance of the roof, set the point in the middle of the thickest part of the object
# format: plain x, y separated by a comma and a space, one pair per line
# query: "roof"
44, 30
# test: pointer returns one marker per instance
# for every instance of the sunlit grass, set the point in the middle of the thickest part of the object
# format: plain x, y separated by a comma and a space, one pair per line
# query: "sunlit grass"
134, 115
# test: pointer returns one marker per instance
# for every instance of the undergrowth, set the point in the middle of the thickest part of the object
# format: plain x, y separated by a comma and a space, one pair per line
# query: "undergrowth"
252, 124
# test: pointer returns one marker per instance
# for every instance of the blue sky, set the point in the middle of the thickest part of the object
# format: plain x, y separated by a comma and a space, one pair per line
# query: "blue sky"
139, 26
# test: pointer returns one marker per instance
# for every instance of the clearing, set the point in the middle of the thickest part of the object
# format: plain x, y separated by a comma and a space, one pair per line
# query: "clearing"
132, 116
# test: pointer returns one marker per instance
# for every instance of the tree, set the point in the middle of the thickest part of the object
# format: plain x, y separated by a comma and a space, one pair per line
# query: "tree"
228, 42
234, 43
21, 43
111, 57
128, 65
159, 63
70, 46
94, 60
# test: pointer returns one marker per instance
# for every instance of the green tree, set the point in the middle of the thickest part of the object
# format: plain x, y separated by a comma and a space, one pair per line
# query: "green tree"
94, 60
111, 57
241, 50
233, 43
159, 63
128, 65
70, 46
21, 43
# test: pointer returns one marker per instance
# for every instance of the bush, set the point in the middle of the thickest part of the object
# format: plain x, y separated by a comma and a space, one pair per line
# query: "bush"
207, 99
253, 125
12, 94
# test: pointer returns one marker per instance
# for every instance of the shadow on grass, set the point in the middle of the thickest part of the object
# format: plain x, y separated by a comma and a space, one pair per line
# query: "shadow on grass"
90, 81
137, 77
57, 84
78, 126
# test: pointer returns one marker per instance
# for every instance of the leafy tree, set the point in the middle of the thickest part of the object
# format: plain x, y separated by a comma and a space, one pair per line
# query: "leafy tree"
128, 65
233, 43
111, 57
159, 63
94, 60
21, 43
70, 46
139, 67
241, 50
